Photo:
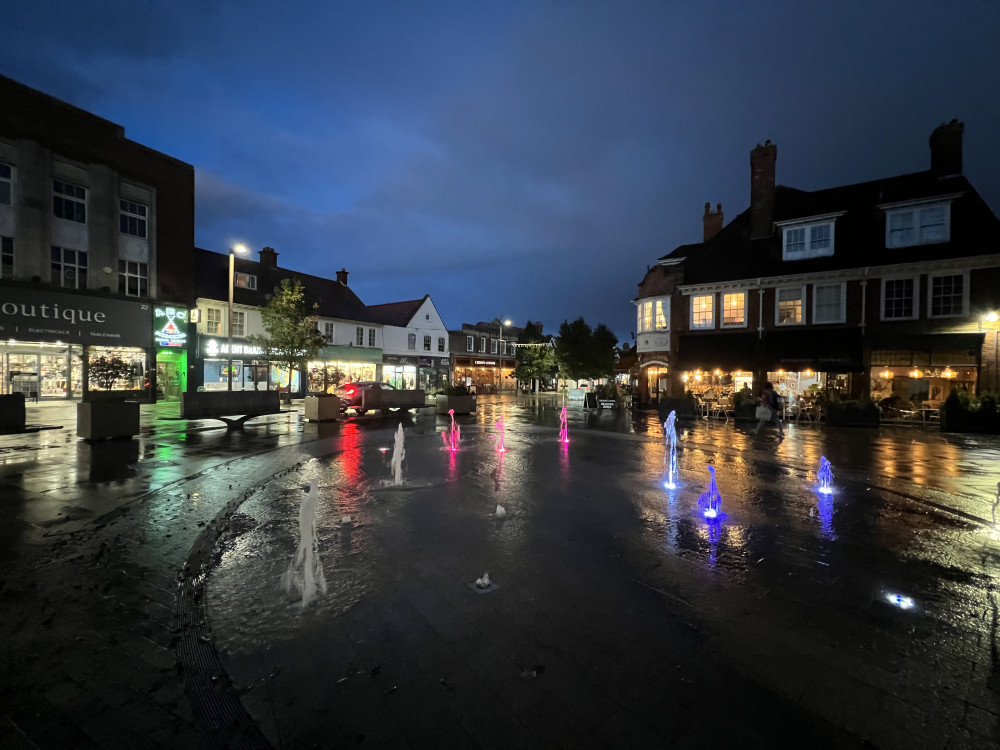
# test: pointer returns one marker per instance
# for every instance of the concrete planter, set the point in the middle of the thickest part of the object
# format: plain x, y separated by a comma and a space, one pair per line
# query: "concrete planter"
684, 407
323, 408
98, 420
12, 414
461, 404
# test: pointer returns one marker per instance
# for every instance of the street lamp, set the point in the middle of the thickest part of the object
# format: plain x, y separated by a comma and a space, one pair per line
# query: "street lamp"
241, 249
501, 324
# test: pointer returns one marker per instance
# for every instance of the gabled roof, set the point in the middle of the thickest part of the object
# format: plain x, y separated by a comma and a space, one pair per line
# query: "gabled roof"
859, 232
334, 299
397, 314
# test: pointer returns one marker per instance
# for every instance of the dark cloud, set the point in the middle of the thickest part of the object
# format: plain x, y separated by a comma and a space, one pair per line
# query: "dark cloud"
526, 159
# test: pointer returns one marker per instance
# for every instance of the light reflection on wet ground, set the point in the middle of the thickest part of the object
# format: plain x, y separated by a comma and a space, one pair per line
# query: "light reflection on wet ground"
790, 584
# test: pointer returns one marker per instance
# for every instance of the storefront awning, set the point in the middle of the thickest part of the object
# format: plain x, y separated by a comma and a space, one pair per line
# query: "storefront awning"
972, 342
730, 351
834, 350
349, 354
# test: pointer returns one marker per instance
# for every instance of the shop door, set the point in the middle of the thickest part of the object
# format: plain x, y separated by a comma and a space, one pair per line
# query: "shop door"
168, 386
22, 375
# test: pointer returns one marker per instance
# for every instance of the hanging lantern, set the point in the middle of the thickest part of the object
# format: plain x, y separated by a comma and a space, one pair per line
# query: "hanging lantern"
915, 373
948, 372
886, 373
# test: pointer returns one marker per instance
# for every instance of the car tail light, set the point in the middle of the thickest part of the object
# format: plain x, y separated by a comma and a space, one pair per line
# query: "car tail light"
349, 391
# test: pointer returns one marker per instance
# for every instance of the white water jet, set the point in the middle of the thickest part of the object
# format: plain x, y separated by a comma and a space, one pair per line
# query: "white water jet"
670, 430
398, 454
500, 512
305, 572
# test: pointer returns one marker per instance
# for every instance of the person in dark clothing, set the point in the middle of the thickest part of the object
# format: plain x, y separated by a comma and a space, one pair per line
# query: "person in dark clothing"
771, 400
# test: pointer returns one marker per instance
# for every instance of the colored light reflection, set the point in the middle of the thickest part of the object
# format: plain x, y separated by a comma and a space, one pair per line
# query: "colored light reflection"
898, 600
500, 429
563, 427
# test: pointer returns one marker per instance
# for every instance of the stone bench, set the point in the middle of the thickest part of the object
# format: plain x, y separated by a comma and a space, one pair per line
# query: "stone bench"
233, 408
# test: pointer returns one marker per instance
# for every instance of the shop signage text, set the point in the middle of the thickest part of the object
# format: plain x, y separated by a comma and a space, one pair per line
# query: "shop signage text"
490, 362
168, 333
33, 314
213, 349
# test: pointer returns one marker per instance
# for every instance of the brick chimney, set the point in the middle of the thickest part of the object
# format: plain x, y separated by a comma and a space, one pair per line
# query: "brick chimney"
762, 160
946, 149
268, 258
342, 276
712, 221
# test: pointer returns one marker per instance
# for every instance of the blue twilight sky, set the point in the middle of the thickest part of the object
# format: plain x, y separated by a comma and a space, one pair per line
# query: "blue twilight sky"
518, 159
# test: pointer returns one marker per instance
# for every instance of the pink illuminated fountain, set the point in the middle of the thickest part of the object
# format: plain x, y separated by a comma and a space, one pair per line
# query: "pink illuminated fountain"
452, 436
500, 448
563, 427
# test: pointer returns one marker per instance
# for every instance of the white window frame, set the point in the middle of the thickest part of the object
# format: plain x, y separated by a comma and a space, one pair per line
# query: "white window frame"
133, 217
701, 326
917, 211
722, 317
7, 183
440, 343
482, 345
213, 326
470, 343
843, 303
493, 346
239, 323
69, 194
76, 265
245, 280
808, 249
371, 337
427, 343
658, 307
915, 307
965, 294
411, 342
359, 335
777, 305
128, 270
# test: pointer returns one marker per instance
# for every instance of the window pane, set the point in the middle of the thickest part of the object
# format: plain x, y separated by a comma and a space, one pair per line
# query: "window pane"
733, 309
795, 241
947, 295
828, 304
661, 318
898, 300
789, 306
701, 311
819, 237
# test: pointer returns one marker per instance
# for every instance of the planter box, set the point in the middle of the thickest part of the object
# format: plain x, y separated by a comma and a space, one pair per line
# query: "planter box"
12, 414
852, 416
322, 408
745, 412
107, 419
970, 421
461, 404
684, 407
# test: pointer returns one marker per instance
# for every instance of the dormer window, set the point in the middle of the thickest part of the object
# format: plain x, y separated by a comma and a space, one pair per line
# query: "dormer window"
813, 240
246, 281
918, 225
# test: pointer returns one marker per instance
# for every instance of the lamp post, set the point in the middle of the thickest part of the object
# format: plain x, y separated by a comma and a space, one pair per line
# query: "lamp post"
501, 323
241, 249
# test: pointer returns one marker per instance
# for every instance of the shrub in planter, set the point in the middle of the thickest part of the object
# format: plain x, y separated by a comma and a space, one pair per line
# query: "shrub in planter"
852, 414
686, 408
962, 413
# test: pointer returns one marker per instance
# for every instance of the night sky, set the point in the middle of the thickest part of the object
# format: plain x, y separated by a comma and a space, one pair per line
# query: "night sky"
519, 159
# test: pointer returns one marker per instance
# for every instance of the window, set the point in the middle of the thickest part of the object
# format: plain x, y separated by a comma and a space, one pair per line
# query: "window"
6, 257
652, 315
947, 296
828, 303
647, 317
328, 331
6, 184
440, 343
411, 341
734, 309
132, 218
482, 345
69, 201
133, 278
493, 346
359, 336
427, 343
239, 323
702, 312
918, 225
661, 317
213, 320
371, 337
245, 280
69, 267
789, 306
899, 299
808, 241
470, 344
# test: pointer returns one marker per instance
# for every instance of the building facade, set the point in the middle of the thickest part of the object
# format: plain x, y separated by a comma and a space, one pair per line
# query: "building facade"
96, 240
416, 347
484, 356
883, 290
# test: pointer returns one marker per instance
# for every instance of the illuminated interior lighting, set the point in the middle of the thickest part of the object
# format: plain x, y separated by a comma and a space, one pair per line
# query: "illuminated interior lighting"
886, 373
915, 373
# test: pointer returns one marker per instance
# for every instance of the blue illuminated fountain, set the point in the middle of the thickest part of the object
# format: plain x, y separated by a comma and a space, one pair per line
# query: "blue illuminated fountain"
710, 502
670, 430
825, 476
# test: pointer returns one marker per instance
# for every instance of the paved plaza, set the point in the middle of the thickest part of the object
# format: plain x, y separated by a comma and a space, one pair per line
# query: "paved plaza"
143, 603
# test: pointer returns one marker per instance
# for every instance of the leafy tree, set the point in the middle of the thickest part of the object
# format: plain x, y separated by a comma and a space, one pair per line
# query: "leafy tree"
583, 352
533, 362
106, 371
291, 335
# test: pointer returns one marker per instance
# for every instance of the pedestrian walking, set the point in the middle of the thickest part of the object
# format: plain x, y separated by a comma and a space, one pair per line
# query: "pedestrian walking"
769, 410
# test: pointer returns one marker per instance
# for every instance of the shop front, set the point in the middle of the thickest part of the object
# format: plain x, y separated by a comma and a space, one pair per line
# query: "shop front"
46, 335
336, 365
483, 373
251, 371
170, 337
921, 378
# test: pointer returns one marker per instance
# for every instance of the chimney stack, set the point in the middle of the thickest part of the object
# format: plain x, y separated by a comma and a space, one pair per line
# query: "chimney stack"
268, 258
946, 149
712, 221
342, 276
762, 160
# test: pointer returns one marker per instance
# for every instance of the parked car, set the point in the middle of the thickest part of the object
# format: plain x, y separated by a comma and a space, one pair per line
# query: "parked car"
350, 394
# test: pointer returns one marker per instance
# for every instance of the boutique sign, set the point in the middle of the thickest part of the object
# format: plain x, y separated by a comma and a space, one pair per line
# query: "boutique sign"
35, 314
170, 326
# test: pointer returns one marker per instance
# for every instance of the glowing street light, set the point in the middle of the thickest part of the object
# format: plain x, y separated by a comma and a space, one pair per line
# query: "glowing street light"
242, 250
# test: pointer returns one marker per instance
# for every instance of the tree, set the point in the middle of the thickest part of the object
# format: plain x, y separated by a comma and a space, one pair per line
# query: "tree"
534, 362
105, 371
291, 335
583, 353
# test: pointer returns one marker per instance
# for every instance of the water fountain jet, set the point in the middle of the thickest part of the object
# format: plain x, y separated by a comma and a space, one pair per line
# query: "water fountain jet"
563, 427
398, 454
305, 572
825, 476
710, 502
670, 430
